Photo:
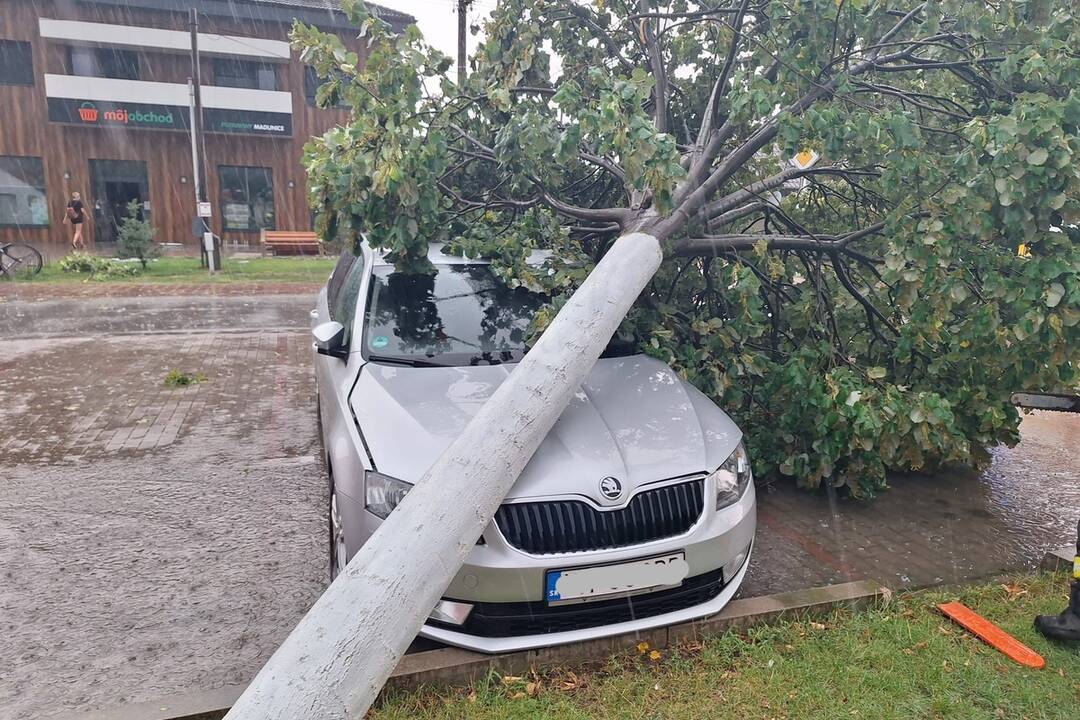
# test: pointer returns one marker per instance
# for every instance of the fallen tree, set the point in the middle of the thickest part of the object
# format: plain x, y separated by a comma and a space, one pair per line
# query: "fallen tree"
872, 310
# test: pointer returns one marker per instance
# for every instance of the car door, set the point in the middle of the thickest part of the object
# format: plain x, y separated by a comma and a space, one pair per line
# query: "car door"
337, 376
325, 310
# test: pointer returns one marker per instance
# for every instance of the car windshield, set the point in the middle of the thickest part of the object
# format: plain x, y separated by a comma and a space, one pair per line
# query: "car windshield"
461, 315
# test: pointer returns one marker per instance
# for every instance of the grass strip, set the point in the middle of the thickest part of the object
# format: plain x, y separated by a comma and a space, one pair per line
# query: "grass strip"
902, 659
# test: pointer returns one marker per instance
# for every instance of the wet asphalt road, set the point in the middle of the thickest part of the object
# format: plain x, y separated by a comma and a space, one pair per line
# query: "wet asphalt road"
156, 540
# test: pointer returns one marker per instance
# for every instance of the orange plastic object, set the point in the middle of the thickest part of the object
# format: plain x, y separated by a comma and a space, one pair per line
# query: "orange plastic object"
991, 634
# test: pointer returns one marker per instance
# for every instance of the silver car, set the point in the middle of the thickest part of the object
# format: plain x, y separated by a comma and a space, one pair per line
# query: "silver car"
637, 511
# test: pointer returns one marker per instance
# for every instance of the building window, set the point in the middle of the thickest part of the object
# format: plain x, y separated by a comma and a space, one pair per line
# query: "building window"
244, 74
312, 81
103, 62
22, 192
247, 198
16, 63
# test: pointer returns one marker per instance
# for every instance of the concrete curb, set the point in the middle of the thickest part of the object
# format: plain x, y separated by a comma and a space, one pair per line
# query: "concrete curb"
453, 666
1058, 559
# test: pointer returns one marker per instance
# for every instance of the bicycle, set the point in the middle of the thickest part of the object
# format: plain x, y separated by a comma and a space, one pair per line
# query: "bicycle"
19, 260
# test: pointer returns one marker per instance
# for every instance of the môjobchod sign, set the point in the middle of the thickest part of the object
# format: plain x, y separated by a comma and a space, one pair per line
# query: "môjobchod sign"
96, 113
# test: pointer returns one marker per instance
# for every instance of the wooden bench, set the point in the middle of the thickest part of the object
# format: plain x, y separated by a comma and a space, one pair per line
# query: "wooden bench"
290, 242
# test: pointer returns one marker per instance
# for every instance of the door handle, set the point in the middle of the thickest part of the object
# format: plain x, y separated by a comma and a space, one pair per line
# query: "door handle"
314, 314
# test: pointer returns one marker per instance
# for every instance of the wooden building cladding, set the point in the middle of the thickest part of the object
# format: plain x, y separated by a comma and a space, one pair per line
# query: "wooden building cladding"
70, 154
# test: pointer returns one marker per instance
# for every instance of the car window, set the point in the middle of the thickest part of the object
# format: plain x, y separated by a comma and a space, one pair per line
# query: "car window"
337, 279
459, 315
344, 308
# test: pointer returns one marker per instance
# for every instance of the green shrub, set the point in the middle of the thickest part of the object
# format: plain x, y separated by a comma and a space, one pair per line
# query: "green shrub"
176, 378
82, 262
98, 268
136, 236
113, 270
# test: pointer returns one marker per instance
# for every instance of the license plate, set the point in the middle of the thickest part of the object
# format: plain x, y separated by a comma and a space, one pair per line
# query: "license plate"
581, 585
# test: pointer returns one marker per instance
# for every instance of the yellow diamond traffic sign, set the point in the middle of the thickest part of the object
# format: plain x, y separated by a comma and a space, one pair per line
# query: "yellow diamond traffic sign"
805, 159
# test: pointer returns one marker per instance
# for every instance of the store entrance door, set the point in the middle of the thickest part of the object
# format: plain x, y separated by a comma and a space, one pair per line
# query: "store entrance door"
113, 184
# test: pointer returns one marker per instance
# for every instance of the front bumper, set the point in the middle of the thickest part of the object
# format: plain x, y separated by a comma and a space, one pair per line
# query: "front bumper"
529, 642
507, 587
497, 574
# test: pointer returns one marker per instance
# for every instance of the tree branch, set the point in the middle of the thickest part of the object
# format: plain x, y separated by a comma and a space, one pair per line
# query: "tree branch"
692, 201
660, 80
709, 115
737, 213
714, 244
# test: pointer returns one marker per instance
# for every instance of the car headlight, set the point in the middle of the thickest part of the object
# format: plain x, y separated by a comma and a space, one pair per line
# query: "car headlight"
382, 493
732, 478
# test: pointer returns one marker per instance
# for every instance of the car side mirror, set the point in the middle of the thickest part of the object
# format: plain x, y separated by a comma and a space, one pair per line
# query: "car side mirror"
330, 340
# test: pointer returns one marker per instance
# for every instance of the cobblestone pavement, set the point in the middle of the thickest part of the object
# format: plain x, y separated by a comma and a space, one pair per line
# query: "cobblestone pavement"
124, 315
948, 527
41, 291
153, 539
156, 540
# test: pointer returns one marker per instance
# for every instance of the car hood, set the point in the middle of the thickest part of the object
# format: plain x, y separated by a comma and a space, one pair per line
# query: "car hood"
633, 419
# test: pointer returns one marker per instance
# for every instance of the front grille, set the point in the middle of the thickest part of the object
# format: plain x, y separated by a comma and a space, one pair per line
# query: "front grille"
537, 618
565, 526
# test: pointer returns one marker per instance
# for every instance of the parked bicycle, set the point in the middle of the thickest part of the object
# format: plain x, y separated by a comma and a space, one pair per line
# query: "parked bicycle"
19, 260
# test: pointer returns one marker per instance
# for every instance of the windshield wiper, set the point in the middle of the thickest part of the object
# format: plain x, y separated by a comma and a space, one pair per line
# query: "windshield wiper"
409, 362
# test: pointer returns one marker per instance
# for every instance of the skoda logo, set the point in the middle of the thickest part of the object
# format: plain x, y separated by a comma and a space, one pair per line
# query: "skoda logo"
611, 488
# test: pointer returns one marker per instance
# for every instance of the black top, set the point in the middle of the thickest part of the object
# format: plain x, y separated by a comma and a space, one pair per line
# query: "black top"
77, 206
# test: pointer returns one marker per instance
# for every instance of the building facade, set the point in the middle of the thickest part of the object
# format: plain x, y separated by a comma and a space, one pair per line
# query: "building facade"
95, 98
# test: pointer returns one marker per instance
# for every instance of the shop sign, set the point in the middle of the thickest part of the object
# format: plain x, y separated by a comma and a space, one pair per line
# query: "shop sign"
97, 113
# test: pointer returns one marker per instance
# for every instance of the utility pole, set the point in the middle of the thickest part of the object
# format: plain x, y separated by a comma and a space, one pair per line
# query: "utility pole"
462, 22
211, 248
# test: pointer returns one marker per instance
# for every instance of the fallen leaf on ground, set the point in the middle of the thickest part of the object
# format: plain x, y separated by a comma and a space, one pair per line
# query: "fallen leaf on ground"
571, 682
1013, 590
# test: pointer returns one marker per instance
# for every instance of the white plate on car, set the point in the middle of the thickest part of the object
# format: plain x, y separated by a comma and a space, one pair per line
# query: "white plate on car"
580, 585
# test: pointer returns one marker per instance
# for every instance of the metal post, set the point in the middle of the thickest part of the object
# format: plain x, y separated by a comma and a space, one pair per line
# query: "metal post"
333, 664
198, 142
196, 166
462, 9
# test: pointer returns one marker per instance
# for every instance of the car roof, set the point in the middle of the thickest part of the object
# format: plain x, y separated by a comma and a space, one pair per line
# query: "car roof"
438, 257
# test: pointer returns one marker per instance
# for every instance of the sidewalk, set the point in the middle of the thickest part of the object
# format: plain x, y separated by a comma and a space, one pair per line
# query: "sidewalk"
949, 527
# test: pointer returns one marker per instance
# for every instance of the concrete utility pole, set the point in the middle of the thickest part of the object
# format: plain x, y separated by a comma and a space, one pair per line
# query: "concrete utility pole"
334, 663
211, 249
462, 22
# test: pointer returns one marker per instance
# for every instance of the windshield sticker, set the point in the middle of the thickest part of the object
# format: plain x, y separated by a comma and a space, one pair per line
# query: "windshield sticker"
379, 342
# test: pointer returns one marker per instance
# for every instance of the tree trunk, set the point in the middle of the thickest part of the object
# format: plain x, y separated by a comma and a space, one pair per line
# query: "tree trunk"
335, 661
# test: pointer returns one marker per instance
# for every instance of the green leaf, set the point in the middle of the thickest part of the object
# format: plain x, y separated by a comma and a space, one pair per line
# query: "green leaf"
1038, 156
875, 373
1054, 293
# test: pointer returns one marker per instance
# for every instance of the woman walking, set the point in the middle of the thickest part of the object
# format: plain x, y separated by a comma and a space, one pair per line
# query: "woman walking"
76, 217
